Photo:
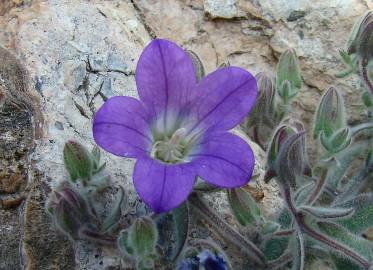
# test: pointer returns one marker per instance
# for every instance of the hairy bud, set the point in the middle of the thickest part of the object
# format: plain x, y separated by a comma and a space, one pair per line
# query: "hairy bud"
69, 211
288, 80
330, 113
361, 37
197, 63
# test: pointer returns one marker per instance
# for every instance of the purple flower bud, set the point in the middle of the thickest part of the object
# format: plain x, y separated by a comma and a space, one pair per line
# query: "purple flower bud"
297, 155
361, 37
69, 211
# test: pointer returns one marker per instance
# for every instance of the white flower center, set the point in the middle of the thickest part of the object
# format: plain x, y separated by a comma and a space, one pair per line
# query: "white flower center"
172, 149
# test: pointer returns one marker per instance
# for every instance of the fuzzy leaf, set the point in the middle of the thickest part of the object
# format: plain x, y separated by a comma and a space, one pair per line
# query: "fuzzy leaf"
285, 219
356, 243
180, 225
243, 206
143, 236
275, 247
342, 263
78, 161
303, 192
113, 218
327, 213
344, 160
362, 219
123, 244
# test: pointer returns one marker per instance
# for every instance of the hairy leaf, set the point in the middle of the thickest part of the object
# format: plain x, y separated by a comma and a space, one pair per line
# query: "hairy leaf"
180, 227
113, 218
343, 162
362, 219
351, 241
243, 206
275, 247
327, 213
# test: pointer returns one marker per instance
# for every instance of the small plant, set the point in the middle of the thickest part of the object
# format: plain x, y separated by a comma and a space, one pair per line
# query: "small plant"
179, 131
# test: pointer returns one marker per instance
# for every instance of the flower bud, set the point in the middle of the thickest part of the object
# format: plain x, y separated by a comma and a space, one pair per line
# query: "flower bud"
197, 63
78, 161
330, 113
140, 239
264, 106
298, 156
288, 70
361, 37
338, 141
69, 211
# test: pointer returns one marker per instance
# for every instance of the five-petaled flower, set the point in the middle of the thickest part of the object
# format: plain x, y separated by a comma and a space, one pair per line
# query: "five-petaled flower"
179, 129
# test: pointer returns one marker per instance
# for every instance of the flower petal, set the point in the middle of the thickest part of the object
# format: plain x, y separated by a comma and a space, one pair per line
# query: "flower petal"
163, 187
121, 127
227, 96
224, 160
165, 77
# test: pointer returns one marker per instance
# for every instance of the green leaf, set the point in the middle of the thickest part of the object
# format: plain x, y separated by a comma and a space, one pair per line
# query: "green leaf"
285, 219
342, 263
303, 192
362, 219
113, 218
344, 159
180, 228
327, 213
124, 245
143, 236
243, 206
356, 243
78, 161
275, 247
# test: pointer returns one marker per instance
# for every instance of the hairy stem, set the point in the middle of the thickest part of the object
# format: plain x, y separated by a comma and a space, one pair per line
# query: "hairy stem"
225, 230
363, 63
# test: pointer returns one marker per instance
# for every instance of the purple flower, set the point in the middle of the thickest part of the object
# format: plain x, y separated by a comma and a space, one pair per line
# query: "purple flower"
179, 129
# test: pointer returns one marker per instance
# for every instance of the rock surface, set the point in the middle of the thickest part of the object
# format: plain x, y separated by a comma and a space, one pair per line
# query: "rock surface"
76, 54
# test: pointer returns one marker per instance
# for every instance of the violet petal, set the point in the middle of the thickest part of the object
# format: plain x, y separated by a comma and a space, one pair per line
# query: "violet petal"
224, 160
227, 96
165, 77
121, 127
161, 186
